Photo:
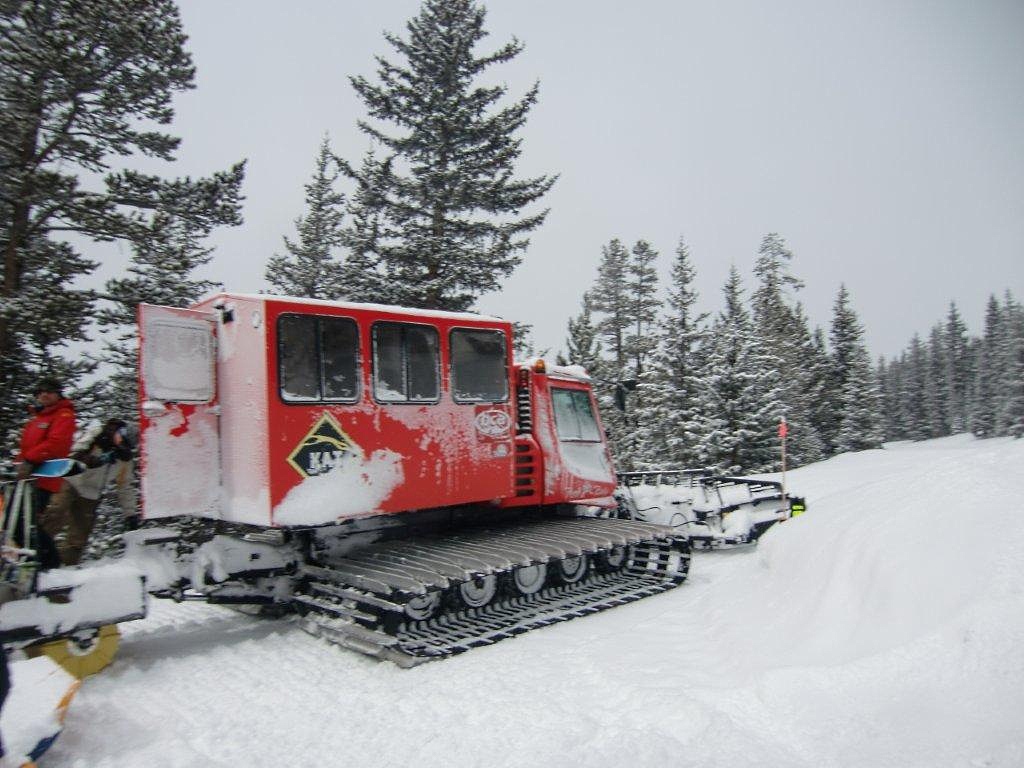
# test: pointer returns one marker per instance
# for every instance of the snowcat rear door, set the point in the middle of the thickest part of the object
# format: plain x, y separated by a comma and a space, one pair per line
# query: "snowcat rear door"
180, 445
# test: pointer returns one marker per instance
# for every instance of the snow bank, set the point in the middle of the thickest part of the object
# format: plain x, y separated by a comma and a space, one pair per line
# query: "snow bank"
883, 628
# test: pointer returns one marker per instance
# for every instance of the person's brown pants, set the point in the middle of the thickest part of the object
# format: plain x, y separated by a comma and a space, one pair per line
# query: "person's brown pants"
70, 513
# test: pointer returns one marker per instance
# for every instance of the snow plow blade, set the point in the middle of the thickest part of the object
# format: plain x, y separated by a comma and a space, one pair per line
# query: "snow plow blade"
416, 600
67, 601
714, 511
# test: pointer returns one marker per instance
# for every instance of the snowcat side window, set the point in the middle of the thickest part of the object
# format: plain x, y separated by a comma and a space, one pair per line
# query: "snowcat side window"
339, 347
179, 364
317, 358
479, 371
405, 363
574, 416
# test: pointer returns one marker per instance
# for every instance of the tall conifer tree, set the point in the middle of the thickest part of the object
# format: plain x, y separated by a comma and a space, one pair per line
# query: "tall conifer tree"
450, 206
82, 83
610, 298
740, 400
785, 329
858, 412
583, 346
670, 385
958, 370
309, 267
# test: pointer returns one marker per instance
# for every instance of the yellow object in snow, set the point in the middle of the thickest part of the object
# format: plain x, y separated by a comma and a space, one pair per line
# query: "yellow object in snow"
81, 658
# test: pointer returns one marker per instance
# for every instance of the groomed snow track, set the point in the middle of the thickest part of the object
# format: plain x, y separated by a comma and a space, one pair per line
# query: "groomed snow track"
420, 599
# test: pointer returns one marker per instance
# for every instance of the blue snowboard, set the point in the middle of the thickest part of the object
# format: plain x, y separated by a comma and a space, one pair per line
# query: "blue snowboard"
58, 468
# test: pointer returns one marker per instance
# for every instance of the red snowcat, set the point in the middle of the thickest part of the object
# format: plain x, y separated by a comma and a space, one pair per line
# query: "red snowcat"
390, 474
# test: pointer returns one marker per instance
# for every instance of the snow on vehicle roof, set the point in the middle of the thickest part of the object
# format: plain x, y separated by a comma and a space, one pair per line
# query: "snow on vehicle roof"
577, 372
569, 371
394, 309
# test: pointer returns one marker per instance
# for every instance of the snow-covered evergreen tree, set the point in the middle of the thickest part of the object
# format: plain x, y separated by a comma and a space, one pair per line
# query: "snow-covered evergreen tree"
583, 347
1010, 415
610, 299
937, 398
82, 83
890, 380
669, 386
861, 425
858, 405
987, 373
361, 276
914, 396
740, 392
450, 208
786, 331
642, 285
958, 370
309, 267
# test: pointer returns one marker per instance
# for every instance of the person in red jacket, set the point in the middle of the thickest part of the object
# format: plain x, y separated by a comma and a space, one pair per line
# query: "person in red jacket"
47, 435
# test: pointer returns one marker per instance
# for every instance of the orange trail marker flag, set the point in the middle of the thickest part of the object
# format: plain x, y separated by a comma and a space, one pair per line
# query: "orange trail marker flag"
783, 431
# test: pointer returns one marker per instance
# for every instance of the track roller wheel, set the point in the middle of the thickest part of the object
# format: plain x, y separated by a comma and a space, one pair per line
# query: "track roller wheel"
424, 607
572, 569
529, 579
478, 591
84, 654
612, 560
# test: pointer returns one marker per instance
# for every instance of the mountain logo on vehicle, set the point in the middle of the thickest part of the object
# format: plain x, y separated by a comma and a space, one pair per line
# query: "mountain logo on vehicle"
323, 448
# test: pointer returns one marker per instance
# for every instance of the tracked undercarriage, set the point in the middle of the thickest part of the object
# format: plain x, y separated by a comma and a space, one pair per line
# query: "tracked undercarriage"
425, 598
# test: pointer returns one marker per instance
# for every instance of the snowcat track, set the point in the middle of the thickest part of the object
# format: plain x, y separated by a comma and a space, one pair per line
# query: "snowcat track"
360, 602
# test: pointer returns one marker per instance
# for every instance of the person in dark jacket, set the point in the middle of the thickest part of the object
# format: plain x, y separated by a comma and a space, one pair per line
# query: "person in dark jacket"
47, 435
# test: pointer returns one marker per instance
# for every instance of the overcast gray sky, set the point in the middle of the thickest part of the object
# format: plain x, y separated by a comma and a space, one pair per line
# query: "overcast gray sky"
883, 139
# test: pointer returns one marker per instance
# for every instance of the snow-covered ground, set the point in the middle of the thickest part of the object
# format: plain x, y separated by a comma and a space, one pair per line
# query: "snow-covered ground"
883, 628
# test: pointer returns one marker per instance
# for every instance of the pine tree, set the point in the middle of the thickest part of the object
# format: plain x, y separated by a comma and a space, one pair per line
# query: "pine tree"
80, 82
450, 208
987, 373
309, 267
890, 379
361, 277
914, 396
858, 406
785, 329
937, 400
740, 395
642, 286
670, 385
583, 347
958, 370
860, 427
1010, 416
610, 297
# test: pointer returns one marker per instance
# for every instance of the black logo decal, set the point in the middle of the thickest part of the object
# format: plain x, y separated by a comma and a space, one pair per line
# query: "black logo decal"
323, 448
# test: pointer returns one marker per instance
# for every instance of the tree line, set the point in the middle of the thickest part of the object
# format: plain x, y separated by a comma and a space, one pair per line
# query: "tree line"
711, 391
954, 382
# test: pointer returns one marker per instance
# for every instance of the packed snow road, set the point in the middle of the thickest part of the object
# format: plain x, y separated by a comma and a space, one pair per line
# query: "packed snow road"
883, 628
